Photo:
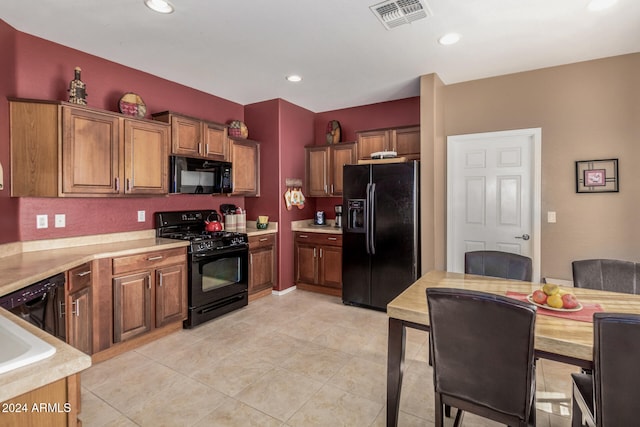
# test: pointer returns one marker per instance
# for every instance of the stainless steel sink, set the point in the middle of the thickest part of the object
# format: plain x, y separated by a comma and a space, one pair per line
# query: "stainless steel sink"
19, 347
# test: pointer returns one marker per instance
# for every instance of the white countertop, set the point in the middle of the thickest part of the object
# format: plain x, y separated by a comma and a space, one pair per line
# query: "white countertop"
64, 362
306, 225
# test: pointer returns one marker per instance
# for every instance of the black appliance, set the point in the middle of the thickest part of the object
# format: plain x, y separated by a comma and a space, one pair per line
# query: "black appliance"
381, 234
338, 210
217, 264
41, 304
199, 176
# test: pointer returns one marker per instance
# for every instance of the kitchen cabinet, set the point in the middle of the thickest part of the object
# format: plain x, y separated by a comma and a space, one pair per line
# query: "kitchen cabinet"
149, 292
194, 137
262, 265
324, 168
244, 154
79, 308
404, 140
64, 150
318, 262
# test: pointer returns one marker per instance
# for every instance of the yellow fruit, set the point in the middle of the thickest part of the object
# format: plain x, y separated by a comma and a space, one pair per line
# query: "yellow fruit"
551, 289
555, 301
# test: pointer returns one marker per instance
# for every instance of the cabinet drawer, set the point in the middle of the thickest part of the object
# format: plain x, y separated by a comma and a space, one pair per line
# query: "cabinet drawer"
319, 238
79, 277
148, 260
261, 241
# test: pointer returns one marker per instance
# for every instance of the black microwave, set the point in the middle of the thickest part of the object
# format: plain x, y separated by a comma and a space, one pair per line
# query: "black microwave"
190, 175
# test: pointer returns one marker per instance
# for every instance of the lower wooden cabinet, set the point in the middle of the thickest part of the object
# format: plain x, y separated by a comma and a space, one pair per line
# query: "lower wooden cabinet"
262, 264
318, 262
149, 292
79, 308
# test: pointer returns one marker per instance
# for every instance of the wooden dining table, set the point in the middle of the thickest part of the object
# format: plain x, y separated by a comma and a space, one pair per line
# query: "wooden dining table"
561, 339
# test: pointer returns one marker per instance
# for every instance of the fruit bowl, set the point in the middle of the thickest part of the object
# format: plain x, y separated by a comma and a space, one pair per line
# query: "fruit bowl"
552, 297
548, 307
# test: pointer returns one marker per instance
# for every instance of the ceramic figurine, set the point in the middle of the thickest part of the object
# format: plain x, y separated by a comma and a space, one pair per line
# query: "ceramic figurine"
77, 89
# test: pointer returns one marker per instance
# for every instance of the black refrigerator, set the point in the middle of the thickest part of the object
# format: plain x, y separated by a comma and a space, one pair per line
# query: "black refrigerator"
381, 234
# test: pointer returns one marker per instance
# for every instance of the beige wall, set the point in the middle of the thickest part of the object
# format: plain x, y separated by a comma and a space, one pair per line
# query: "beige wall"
587, 110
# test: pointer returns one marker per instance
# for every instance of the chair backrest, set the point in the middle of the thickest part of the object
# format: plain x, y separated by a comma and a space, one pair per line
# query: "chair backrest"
616, 352
498, 264
483, 349
606, 274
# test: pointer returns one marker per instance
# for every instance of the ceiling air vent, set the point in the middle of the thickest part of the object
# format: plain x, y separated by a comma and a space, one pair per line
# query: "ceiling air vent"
394, 13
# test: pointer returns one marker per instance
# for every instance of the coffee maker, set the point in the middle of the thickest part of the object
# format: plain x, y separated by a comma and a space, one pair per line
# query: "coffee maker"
338, 209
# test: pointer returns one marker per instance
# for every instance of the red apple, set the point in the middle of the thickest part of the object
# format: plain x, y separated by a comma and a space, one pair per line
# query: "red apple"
539, 297
569, 301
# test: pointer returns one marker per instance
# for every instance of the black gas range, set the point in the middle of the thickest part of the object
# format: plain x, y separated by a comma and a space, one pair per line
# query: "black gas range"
217, 263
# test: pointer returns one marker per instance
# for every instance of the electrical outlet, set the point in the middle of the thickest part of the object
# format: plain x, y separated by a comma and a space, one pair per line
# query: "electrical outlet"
60, 220
141, 216
42, 221
551, 217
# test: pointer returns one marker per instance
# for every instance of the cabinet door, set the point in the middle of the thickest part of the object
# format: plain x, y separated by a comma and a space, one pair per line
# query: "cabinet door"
215, 141
171, 295
406, 141
90, 149
245, 156
261, 269
317, 165
131, 306
305, 263
186, 136
371, 142
79, 320
340, 155
146, 157
330, 266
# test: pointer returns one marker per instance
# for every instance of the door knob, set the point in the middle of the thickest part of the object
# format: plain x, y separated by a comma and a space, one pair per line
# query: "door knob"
523, 237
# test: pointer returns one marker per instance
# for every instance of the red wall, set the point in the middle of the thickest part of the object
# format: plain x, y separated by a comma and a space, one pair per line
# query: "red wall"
284, 129
9, 231
403, 112
43, 70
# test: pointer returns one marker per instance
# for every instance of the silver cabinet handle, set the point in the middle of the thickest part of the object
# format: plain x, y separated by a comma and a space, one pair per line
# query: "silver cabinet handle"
523, 237
264, 239
320, 252
154, 258
332, 238
128, 184
303, 236
76, 304
117, 183
84, 273
314, 252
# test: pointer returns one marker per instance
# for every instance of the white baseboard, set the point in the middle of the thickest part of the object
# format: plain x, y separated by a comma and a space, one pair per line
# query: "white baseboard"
286, 291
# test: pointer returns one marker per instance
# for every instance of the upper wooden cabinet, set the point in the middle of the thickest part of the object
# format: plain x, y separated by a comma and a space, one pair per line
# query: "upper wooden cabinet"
193, 137
64, 150
244, 154
324, 168
405, 141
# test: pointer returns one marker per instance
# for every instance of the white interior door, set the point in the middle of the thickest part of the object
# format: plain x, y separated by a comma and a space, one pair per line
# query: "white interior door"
493, 195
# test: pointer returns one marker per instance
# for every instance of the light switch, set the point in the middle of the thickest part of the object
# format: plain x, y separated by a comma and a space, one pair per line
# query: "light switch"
551, 217
141, 216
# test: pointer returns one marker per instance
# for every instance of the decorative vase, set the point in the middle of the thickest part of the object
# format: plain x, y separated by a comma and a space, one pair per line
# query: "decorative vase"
77, 89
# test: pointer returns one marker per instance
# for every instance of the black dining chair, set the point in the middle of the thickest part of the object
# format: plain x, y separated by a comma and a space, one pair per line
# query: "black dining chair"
609, 397
498, 264
483, 355
606, 275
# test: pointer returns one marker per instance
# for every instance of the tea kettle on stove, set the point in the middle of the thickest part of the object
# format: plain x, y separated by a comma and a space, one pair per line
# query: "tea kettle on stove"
212, 223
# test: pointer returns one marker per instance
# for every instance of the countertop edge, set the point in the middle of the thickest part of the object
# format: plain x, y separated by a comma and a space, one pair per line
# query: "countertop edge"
65, 362
306, 226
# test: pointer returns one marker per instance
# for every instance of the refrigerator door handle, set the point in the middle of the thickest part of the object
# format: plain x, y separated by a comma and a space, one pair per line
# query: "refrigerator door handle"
366, 221
372, 219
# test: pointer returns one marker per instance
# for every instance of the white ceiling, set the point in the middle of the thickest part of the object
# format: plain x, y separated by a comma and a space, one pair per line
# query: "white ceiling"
242, 50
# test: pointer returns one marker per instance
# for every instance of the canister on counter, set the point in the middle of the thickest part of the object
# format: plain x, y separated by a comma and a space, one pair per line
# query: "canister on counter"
231, 222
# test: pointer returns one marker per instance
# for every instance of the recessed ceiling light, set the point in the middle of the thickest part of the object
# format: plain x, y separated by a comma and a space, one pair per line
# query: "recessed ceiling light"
294, 78
596, 5
447, 39
161, 6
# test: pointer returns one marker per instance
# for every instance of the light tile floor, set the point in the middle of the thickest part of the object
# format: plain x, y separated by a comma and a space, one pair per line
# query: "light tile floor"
301, 359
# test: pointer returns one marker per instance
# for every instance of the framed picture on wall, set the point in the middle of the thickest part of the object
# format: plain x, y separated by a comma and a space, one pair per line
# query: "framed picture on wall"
597, 176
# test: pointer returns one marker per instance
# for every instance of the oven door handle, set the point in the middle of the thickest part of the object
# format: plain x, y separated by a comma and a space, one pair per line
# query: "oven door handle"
215, 252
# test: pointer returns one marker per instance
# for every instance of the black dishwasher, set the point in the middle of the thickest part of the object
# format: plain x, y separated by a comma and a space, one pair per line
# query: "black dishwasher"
41, 304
